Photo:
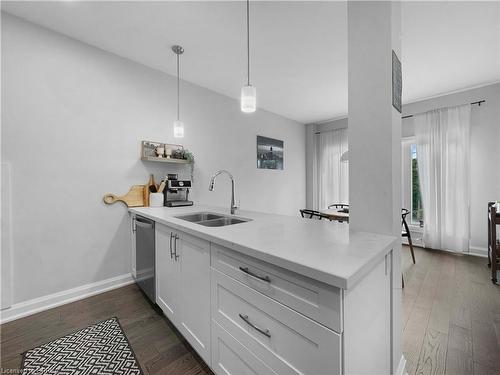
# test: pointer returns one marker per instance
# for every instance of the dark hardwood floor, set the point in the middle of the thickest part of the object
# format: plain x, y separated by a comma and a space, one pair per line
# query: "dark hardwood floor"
451, 322
159, 348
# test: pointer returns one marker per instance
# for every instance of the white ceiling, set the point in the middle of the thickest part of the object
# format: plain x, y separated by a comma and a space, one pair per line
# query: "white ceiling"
298, 49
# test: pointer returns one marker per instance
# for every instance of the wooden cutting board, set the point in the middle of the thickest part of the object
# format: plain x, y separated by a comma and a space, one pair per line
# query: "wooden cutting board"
134, 197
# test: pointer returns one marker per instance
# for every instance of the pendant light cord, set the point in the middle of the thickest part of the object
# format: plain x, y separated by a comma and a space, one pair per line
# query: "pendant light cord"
178, 92
248, 42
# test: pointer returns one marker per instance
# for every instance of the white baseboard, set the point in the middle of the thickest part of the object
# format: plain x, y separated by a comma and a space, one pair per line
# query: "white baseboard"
36, 305
473, 250
401, 367
478, 251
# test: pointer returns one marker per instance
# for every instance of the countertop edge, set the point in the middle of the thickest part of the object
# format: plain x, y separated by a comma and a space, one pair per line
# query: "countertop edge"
312, 273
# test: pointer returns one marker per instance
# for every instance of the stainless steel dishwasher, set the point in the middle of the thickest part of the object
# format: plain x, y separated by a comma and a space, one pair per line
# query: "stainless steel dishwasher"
145, 256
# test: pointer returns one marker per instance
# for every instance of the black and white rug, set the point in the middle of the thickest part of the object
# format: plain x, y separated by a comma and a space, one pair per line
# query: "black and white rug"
101, 348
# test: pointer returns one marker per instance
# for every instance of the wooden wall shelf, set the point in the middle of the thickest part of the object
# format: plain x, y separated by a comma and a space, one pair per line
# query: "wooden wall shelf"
165, 160
148, 152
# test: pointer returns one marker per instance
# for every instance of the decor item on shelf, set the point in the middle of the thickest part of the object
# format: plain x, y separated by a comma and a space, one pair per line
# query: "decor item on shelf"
248, 92
183, 154
168, 152
269, 153
178, 124
188, 155
160, 152
152, 151
177, 154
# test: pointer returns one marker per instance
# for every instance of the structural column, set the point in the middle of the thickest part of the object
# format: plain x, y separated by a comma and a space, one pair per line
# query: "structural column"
375, 136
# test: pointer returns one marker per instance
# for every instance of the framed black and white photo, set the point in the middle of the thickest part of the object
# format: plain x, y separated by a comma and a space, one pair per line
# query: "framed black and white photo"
397, 83
269, 153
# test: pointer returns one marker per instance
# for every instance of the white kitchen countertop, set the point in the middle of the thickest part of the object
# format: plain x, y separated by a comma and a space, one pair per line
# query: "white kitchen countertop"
319, 249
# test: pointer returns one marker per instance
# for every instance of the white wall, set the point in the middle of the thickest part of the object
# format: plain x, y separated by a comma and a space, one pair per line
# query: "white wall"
72, 121
485, 143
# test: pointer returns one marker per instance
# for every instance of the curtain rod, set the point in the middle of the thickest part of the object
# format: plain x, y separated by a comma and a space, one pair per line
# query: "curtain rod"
330, 130
479, 102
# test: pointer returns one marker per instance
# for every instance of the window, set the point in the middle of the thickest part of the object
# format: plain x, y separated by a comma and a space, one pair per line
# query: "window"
417, 212
411, 195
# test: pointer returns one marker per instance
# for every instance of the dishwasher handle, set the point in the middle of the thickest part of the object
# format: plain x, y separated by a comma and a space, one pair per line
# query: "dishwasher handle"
143, 223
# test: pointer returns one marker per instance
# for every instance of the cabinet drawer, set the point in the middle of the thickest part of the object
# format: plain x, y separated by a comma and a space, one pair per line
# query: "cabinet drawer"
229, 357
285, 340
318, 301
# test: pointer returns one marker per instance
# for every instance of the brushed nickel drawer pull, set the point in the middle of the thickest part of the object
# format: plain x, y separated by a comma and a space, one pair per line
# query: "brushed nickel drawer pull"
171, 248
265, 332
248, 272
176, 256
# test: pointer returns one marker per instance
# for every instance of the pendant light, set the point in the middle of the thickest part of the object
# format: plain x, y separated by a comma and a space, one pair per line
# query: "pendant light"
248, 92
178, 124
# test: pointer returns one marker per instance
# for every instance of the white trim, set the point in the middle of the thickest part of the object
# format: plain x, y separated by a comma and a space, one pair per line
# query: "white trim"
457, 91
401, 367
328, 120
478, 251
469, 88
39, 304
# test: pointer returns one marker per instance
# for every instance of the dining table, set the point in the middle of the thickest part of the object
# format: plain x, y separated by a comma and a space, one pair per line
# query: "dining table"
336, 214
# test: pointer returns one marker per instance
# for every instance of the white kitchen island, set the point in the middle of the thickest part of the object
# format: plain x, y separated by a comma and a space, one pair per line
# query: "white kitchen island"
276, 294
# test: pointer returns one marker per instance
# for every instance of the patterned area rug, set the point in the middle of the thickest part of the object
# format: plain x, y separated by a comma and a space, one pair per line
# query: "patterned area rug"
101, 348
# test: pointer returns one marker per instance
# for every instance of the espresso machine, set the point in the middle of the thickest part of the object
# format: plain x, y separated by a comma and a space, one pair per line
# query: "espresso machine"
176, 193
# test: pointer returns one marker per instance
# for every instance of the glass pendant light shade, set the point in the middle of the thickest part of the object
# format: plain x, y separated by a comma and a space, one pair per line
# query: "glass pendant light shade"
178, 129
248, 99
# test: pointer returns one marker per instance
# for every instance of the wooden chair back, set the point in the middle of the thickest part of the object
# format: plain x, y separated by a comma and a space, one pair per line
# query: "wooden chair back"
405, 231
340, 206
312, 214
493, 245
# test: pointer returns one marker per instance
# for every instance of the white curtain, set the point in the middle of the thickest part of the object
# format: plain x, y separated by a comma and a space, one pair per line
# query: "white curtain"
406, 172
443, 149
333, 174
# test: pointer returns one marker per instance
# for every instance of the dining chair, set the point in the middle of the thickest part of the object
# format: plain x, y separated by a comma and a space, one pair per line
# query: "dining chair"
312, 214
493, 244
405, 231
340, 206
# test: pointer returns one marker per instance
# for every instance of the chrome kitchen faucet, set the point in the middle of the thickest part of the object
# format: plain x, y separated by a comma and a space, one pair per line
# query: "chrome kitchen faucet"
211, 187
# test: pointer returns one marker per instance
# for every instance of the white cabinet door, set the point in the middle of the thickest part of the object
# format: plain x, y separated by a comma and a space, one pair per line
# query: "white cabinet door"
194, 260
367, 322
167, 273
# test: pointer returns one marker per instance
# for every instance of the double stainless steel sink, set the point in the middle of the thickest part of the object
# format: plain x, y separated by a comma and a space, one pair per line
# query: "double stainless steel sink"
209, 219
